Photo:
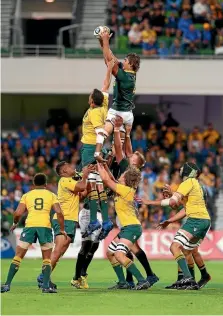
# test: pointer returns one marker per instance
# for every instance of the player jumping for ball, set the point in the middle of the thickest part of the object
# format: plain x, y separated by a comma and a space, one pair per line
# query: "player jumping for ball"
123, 92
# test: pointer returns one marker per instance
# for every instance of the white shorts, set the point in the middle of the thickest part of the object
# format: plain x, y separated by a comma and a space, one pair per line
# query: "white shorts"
84, 220
126, 116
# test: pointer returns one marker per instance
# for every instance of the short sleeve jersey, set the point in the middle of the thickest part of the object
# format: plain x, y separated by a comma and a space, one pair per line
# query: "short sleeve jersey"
195, 204
94, 118
69, 202
39, 203
125, 206
124, 90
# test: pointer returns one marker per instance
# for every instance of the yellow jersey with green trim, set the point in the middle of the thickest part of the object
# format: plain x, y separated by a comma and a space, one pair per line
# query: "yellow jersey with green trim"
195, 205
69, 201
94, 118
39, 203
124, 205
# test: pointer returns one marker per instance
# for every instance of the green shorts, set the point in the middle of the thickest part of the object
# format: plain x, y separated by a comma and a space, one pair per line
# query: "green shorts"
32, 234
197, 227
70, 228
131, 232
87, 155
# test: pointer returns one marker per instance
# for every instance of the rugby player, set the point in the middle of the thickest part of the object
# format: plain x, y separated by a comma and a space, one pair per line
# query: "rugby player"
192, 257
131, 159
191, 234
92, 127
89, 246
123, 92
38, 202
131, 228
68, 197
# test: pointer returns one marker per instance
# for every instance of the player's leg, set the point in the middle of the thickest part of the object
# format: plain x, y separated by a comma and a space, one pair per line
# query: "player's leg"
205, 276
129, 276
117, 267
107, 224
46, 268
14, 266
123, 247
85, 248
28, 236
93, 203
141, 256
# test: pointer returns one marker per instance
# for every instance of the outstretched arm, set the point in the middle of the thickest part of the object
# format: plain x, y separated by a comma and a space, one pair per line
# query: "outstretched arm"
180, 215
107, 53
108, 182
128, 143
107, 80
117, 139
173, 201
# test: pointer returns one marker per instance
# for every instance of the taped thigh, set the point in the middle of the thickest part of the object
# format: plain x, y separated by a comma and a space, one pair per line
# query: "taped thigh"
24, 244
92, 177
46, 246
112, 247
182, 239
123, 248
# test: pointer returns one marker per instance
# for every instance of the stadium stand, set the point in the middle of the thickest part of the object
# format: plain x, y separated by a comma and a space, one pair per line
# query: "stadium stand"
166, 147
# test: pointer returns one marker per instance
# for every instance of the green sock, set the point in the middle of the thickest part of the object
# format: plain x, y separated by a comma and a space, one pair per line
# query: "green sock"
119, 272
131, 267
46, 268
104, 206
93, 205
14, 267
183, 266
191, 269
180, 275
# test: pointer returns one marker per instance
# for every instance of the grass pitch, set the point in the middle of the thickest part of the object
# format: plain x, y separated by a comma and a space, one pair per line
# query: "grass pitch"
25, 298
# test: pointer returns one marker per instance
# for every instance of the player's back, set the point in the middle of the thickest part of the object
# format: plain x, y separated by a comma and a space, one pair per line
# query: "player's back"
125, 206
124, 90
195, 204
94, 118
69, 201
39, 203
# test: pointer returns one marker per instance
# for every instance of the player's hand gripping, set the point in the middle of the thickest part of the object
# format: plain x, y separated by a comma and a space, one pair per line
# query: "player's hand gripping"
162, 225
62, 232
13, 227
105, 36
100, 159
118, 122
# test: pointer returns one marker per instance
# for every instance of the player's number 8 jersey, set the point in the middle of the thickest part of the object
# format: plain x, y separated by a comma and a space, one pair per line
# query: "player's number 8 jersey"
39, 203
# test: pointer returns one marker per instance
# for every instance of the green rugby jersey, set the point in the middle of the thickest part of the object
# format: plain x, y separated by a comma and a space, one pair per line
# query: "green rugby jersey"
124, 90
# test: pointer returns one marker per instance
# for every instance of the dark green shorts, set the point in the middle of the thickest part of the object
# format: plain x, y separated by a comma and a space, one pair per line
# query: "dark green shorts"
197, 227
70, 228
32, 234
131, 232
87, 154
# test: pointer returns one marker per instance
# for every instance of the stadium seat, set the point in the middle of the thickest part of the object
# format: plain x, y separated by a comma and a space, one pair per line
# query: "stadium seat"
206, 51
198, 27
122, 42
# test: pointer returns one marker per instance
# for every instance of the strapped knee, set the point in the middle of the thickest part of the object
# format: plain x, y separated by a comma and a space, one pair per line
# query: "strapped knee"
112, 247
122, 248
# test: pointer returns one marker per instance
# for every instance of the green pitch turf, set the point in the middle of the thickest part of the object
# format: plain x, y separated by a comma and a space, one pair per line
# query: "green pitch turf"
26, 299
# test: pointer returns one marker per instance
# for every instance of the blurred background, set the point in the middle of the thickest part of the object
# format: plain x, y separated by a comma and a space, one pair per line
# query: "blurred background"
42, 110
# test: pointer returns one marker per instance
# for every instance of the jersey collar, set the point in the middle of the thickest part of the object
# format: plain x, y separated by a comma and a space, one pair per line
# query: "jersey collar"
131, 71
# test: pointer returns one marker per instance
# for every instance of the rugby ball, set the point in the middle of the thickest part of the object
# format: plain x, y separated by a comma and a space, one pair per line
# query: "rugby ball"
100, 29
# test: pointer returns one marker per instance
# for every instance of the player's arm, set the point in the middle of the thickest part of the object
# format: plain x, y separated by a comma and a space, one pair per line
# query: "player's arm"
60, 218
176, 218
117, 139
173, 201
21, 209
128, 143
81, 185
109, 172
107, 81
107, 53
108, 182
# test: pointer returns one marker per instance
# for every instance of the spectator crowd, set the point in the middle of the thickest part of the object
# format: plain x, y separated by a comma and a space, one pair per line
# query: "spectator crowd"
171, 27
166, 147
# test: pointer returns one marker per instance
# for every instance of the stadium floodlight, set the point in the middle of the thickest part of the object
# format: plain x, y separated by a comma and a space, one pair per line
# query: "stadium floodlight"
49, 1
